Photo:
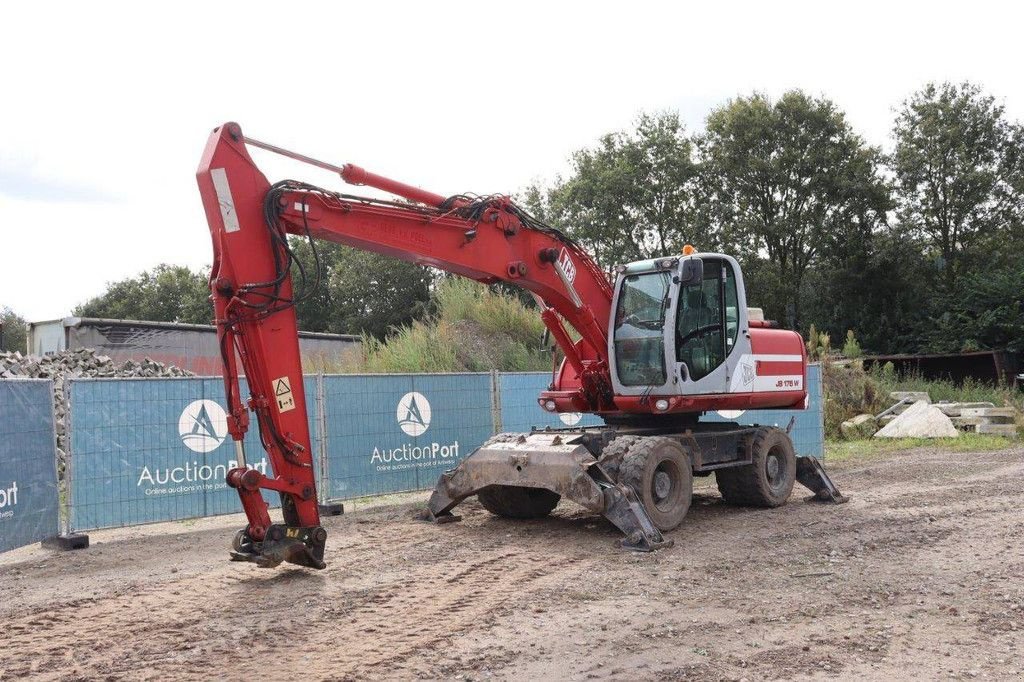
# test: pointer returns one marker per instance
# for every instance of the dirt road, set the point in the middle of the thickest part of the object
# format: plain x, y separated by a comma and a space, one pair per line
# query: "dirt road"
921, 574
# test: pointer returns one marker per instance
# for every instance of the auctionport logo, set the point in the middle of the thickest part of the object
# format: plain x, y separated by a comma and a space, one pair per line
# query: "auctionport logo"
203, 426
413, 414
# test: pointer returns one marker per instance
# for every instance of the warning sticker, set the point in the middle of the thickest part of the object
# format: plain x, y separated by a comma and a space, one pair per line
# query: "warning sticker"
283, 393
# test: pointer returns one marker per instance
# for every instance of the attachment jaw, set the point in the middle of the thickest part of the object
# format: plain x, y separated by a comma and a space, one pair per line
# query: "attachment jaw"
299, 545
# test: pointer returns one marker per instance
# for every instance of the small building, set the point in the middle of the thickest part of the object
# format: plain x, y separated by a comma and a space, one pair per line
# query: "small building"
190, 346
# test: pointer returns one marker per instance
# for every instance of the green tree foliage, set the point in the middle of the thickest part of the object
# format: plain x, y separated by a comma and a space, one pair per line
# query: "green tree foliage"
168, 293
959, 171
883, 293
632, 196
984, 310
788, 184
12, 330
361, 292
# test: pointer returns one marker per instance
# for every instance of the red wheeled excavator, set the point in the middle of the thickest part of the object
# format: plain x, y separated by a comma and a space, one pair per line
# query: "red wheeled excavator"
658, 343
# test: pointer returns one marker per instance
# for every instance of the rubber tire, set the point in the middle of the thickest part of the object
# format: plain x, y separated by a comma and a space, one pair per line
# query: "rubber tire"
613, 454
515, 502
638, 469
749, 485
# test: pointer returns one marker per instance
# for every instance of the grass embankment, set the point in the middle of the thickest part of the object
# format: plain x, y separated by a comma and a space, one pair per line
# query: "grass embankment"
475, 329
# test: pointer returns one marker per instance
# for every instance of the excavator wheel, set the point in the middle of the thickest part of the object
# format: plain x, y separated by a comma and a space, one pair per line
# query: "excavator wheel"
515, 502
768, 480
611, 457
661, 474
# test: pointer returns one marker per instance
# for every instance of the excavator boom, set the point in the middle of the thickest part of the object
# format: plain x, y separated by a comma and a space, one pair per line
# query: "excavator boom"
487, 239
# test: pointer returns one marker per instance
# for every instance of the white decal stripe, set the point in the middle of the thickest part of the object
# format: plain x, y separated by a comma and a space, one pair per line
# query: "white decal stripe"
778, 358
227, 204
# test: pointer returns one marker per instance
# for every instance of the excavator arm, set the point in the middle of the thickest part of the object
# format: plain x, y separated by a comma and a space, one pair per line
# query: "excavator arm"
487, 239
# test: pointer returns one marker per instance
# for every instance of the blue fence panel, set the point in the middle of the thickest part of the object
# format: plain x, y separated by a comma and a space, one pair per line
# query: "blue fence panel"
520, 410
148, 450
399, 432
808, 432
28, 463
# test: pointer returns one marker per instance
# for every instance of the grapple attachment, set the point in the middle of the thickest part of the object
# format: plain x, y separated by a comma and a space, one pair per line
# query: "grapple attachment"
303, 546
555, 462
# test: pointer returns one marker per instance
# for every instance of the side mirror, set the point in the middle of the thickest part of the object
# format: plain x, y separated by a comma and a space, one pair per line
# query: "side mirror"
692, 272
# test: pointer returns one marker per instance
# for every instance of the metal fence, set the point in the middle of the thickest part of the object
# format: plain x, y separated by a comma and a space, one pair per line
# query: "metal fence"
395, 433
146, 450
29, 510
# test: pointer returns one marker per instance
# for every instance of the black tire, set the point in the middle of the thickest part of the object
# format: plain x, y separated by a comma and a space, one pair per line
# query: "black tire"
660, 472
515, 502
768, 480
613, 454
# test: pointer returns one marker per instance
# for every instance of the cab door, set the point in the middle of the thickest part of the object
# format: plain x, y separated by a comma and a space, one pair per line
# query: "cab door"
707, 337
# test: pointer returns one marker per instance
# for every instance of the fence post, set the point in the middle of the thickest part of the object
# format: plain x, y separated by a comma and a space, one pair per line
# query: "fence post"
496, 425
327, 508
65, 504
67, 538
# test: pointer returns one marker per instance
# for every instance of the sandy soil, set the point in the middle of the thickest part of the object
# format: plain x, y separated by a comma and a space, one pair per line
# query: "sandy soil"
921, 574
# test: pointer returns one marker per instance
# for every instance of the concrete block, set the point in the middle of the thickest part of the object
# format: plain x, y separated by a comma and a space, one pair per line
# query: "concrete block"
912, 396
955, 409
995, 414
1007, 430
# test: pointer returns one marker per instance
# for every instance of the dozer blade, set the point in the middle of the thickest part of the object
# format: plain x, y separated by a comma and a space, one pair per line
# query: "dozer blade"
552, 462
812, 476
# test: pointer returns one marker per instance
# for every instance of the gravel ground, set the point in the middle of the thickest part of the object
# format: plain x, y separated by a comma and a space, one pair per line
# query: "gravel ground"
920, 575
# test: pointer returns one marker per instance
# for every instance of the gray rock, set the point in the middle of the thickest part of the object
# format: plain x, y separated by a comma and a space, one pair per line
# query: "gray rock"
861, 426
920, 420
81, 362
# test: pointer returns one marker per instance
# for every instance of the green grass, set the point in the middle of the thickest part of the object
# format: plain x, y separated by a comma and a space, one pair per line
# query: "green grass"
853, 450
970, 391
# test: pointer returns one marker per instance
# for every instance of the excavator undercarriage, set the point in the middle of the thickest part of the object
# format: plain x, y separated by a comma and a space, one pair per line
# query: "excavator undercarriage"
525, 475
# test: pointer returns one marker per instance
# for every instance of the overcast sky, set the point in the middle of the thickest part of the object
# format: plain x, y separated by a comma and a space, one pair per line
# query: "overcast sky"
104, 112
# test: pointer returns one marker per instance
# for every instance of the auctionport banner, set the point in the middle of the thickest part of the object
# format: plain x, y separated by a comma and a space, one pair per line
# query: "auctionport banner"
28, 463
393, 433
146, 450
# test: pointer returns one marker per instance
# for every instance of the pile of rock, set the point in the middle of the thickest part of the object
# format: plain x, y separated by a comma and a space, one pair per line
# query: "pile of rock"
914, 416
82, 362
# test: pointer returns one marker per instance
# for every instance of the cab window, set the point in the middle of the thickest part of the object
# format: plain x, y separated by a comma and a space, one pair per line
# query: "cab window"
707, 320
639, 334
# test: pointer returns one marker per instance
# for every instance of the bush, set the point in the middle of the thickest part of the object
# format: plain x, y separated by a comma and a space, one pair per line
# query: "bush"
476, 329
851, 349
849, 391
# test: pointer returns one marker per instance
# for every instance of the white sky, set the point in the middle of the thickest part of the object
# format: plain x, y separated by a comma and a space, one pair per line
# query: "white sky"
105, 109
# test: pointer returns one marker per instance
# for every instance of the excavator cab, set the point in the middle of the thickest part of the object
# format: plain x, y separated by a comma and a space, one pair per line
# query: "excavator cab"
680, 327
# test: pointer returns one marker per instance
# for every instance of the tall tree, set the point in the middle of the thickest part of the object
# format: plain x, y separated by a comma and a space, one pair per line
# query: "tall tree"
959, 171
789, 182
630, 197
12, 330
360, 291
168, 293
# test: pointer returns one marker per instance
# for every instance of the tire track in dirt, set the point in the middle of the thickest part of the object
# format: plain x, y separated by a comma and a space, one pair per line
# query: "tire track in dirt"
390, 631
